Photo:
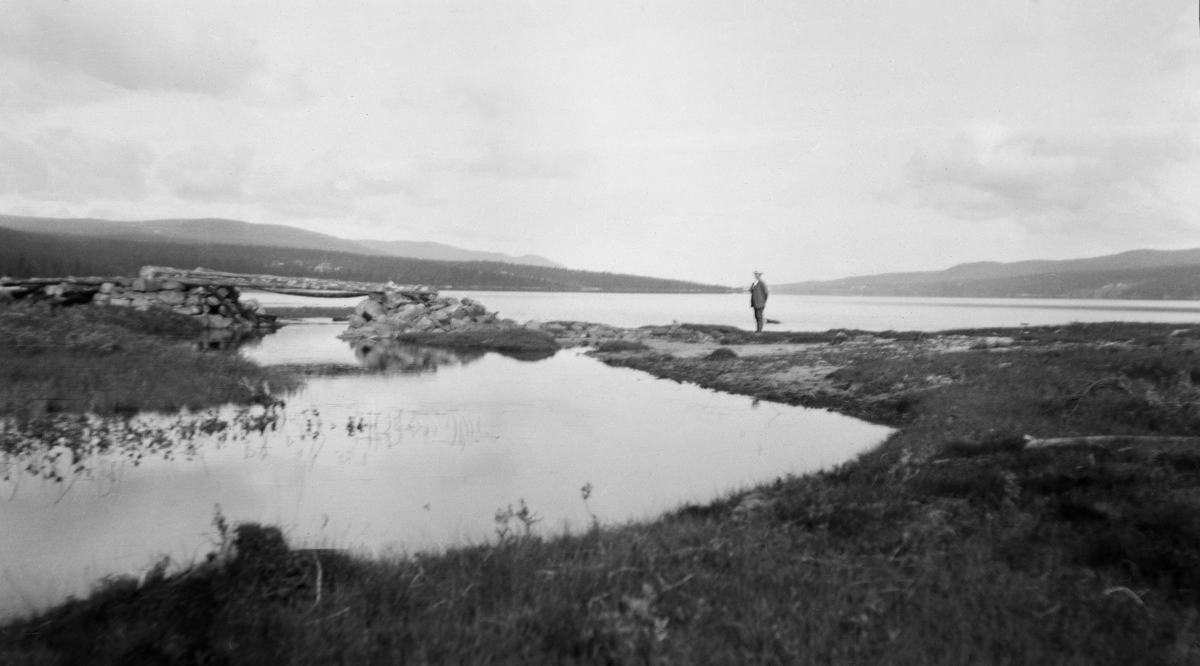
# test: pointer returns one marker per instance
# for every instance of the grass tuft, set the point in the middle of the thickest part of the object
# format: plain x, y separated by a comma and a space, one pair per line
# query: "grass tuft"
112, 360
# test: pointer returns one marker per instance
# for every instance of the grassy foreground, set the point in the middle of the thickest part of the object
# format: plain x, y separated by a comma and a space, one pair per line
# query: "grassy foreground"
952, 543
115, 361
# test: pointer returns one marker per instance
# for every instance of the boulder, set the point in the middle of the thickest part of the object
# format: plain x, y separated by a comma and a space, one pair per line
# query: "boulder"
172, 297
408, 312
394, 299
146, 284
423, 324
370, 309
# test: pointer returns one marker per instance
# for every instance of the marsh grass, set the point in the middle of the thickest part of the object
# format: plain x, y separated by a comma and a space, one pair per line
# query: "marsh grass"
949, 544
116, 361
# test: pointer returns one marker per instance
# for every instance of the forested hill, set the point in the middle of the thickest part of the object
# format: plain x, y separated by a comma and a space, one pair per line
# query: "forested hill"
1138, 274
27, 254
203, 231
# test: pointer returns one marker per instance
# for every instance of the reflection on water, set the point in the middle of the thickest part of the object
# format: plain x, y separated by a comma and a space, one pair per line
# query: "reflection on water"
225, 339
397, 357
64, 447
407, 459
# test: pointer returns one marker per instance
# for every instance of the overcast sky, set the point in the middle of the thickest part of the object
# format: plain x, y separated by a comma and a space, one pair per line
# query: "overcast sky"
694, 139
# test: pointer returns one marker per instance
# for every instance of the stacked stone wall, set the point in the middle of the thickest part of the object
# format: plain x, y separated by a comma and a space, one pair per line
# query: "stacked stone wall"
217, 307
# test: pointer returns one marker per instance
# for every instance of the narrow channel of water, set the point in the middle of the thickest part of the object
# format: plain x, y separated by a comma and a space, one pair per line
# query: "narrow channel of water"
418, 451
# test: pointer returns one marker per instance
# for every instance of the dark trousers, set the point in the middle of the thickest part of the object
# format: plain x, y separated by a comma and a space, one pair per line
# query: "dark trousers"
758, 319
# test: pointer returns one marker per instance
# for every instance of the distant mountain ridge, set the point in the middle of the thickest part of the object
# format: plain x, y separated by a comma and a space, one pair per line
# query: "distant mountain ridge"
224, 231
1136, 274
443, 252
31, 254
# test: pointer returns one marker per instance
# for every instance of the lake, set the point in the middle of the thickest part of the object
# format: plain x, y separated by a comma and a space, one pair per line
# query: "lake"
416, 449
806, 313
424, 446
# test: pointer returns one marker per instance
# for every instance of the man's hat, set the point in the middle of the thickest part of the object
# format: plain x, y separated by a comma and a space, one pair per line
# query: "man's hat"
758, 272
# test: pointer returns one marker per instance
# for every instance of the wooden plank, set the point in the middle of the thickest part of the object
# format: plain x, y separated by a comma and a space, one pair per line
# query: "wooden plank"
42, 282
294, 286
302, 286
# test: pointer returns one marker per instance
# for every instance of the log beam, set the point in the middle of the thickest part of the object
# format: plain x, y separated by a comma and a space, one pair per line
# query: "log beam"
200, 277
300, 286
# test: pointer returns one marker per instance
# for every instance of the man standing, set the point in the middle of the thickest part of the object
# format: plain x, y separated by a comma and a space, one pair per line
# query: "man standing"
758, 299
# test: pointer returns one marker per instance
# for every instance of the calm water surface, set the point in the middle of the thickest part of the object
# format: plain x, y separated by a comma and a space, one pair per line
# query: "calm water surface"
809, 313
418, 453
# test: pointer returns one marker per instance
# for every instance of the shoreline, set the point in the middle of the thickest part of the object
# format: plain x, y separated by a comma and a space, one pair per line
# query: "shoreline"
951, 542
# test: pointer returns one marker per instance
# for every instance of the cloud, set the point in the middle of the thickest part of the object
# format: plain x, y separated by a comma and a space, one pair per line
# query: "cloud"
512, 138
330, 185
60, 164
500, 159
132, 44
206, 173
1056, 181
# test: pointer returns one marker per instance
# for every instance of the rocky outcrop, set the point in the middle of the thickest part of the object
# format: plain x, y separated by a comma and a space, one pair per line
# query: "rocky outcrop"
390, 314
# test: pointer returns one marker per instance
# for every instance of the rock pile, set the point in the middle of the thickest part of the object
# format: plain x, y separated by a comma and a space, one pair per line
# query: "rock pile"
218, 307
392, 313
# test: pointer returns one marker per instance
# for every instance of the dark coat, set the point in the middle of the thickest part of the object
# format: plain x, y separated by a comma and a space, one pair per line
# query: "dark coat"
758, 294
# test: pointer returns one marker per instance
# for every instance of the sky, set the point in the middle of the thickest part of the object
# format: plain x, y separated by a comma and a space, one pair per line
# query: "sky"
690, 139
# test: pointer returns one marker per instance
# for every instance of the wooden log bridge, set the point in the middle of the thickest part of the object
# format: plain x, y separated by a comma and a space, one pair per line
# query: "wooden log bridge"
203, 277
213, 296
285, 285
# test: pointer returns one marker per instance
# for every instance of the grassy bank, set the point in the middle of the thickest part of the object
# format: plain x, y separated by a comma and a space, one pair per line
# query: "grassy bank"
116, 361
951, 543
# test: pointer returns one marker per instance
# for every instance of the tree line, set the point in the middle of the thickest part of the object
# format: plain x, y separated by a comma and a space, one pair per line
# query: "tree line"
25, 254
